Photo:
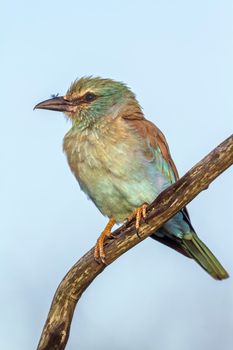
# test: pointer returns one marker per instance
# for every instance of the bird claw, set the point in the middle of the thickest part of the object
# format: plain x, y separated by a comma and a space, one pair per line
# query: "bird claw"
139, 214
100, 260
99, 253
138, 234
111, 236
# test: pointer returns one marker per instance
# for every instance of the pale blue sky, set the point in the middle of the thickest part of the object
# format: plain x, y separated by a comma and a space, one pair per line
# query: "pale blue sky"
177, 57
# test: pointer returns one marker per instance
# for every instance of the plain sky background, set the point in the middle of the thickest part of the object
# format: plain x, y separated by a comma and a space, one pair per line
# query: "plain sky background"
177, 57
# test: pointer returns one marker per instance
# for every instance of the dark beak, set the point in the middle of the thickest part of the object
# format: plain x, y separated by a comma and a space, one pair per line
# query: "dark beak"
59, 104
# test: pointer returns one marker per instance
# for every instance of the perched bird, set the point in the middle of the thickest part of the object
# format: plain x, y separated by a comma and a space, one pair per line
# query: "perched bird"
122, 162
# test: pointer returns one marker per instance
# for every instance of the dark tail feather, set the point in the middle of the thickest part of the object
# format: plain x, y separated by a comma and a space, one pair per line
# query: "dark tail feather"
171, 242
203, 256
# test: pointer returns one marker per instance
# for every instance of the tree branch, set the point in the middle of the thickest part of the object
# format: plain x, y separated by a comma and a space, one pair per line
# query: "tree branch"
56, 330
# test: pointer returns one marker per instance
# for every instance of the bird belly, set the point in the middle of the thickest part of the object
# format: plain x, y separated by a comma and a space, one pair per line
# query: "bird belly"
116, 195
115, 176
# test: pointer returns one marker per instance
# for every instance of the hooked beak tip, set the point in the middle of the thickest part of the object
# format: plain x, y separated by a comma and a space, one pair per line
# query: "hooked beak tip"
36, 107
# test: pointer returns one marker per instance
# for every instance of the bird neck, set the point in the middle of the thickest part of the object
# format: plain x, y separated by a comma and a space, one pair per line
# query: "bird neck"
93, 120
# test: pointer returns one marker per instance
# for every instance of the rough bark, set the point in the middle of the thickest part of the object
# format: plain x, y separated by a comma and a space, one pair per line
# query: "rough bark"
56, 330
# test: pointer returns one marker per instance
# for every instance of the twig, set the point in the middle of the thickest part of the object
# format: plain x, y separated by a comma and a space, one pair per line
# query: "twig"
56, 330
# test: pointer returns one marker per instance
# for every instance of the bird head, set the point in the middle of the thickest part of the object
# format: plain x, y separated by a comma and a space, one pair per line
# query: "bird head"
89, 99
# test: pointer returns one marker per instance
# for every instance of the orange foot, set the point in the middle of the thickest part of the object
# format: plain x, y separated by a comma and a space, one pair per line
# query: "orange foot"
138, 213
99, 252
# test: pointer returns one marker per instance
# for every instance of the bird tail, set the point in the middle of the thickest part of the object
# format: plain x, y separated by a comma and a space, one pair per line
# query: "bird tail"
203, 256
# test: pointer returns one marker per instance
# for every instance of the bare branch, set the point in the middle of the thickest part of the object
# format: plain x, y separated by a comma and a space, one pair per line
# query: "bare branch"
56, 330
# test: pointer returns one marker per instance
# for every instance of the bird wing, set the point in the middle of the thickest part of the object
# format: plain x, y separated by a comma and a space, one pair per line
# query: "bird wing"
156, 143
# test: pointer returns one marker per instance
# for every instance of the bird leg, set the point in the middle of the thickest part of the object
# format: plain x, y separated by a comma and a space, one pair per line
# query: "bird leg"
99, 252
138, 214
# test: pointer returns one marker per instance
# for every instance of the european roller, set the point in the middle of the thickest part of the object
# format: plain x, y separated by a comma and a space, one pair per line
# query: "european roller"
122, 162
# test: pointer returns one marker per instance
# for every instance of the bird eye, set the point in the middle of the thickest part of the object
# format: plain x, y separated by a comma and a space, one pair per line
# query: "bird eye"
89, 97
